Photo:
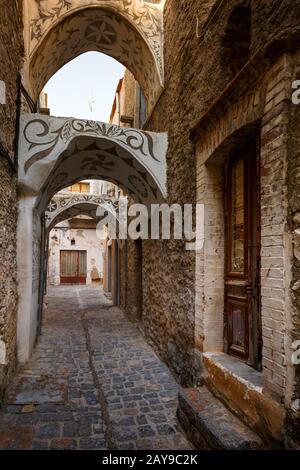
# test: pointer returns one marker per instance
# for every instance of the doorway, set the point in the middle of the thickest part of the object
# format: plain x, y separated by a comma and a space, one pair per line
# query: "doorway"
73, 267
242, 254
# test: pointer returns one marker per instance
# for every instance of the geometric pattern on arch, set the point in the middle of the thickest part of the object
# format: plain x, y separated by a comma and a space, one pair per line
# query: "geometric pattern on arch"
56, 152
64, 207
131, 31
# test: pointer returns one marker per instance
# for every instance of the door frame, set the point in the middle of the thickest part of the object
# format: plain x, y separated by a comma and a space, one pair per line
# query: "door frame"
71, 279
249, 280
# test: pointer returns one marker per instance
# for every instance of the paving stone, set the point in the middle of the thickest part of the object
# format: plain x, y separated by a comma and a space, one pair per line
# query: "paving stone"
165, 429
92, 443
158, 418
146, 431
84, 337
127, 421
141, 419
30, 418
124, 434
63, 444
40, 445
46, 408
48, 431
70, 429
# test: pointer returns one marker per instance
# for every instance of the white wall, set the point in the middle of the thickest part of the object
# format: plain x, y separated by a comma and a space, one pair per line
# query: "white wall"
28, 255
85, 239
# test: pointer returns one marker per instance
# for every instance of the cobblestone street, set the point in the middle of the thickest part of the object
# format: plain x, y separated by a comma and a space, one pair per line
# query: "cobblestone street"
92, 383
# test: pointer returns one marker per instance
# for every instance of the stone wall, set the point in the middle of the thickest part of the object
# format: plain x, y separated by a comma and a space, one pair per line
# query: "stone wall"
134, 285
128, 105
8, 288
11, 53
262, 111
197, 76
11, 50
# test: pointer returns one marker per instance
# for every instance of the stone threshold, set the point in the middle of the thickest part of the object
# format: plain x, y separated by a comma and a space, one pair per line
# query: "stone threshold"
237, 369
240, 388
210, 425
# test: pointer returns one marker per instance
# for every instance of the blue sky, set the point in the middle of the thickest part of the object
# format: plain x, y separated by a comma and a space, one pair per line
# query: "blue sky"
90, 77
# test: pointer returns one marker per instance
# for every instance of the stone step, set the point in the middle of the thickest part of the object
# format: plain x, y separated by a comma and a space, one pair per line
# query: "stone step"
210, 425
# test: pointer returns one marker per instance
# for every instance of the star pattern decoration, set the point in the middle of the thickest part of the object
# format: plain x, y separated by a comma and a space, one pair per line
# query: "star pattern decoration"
101, 32
52, 206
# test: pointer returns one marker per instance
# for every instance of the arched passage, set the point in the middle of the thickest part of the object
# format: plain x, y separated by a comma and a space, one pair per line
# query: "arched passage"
55, 153
130, 32
62, 208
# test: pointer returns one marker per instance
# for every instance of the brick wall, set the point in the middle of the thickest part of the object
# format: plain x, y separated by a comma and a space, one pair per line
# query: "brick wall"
10, 60
267, 112
275, 262
293, 324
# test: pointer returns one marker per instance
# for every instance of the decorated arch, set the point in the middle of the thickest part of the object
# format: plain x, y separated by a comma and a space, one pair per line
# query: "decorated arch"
64, 207
54, 153
131, 31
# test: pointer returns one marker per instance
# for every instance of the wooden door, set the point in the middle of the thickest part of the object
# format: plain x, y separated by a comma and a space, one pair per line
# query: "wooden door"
73, 267
242, 299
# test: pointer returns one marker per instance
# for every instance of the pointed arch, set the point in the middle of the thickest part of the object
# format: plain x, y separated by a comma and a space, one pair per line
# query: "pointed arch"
129, 33
65, 207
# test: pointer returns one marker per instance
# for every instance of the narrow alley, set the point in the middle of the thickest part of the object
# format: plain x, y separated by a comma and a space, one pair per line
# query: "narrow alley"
149, 227
92, 383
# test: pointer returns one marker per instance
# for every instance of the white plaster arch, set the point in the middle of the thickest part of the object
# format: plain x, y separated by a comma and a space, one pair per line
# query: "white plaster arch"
56, 152
131, 31
53, 154
61, 208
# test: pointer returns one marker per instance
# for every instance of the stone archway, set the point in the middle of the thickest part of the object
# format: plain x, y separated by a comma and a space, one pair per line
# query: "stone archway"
63, 208
57, 31
55, 153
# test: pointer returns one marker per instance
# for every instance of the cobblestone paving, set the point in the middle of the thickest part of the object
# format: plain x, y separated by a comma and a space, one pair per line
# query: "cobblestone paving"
92, 383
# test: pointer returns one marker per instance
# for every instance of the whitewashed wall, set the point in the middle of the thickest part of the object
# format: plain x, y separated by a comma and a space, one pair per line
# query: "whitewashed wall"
85, 239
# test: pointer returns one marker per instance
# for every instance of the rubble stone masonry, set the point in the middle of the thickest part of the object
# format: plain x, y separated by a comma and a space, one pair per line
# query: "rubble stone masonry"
11, 51
200, 90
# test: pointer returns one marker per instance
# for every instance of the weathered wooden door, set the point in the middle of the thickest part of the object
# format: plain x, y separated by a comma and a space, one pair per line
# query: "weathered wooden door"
242, 296
72, 267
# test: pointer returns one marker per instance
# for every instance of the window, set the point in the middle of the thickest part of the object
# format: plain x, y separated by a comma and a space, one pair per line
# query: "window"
80, 188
